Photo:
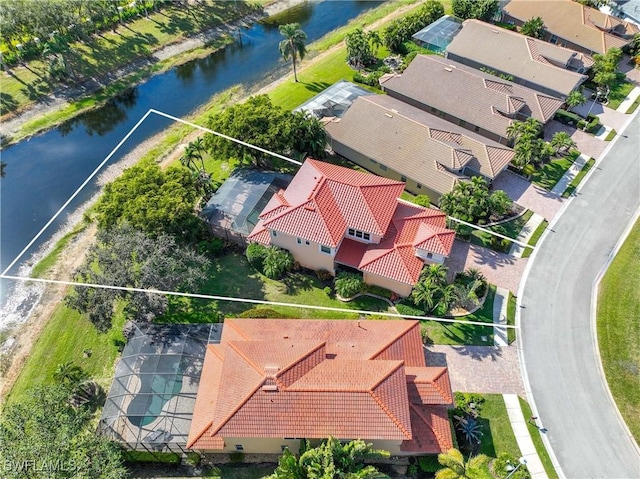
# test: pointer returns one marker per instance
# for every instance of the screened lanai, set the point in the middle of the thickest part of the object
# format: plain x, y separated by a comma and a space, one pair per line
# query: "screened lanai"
151, 400
438, 35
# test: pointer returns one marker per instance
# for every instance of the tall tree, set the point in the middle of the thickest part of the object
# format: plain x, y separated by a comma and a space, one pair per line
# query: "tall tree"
359, 48
575, 98
562, 142
126, 257
44, 436
534, 27
455, 467
480, 9
293, 45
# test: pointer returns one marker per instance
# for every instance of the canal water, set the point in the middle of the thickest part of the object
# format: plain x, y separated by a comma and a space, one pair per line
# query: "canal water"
41, 173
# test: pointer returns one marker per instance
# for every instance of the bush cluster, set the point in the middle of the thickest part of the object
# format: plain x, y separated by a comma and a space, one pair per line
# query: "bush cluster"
256, 254
263, 313
400, 30
349, 284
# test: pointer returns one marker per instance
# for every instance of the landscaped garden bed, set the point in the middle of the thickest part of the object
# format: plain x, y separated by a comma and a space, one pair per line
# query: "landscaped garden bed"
550, 173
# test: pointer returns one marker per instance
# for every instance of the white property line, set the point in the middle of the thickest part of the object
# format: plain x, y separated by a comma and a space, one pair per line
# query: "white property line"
243, 300
526, 245
594, 317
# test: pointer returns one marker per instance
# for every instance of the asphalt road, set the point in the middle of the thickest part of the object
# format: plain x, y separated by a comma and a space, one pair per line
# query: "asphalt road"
559, 348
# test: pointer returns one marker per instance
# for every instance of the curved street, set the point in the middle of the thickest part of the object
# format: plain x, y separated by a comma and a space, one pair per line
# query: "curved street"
557, 339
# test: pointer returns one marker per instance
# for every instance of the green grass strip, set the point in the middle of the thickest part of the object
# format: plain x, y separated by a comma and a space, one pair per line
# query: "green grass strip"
576, 181
537, 441
511, 317
612, 134
633, 106
535, 237
619, 329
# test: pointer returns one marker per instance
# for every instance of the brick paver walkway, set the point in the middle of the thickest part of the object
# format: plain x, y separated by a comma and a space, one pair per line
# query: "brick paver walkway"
499, 268
481, 369
608, 117
532, 197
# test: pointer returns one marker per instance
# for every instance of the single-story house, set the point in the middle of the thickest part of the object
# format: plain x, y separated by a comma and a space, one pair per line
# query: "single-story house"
477, 101
534, 63
330, 216
272, 382
573, 25
394, 139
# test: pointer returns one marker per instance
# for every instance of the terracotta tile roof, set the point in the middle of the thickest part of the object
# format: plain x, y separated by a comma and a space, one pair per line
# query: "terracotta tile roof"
576, 23
415, 143
529, 59
471, 95
429, 385
324, 199
430, 429
351, 252
312, 378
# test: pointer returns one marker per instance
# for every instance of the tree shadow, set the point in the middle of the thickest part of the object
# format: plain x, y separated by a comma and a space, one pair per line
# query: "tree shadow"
486, 257
317, 86
7, 103
295, 282
486, 442
479, 353
434, 358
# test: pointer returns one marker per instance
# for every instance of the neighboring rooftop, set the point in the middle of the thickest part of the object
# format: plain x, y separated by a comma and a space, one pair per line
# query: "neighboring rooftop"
271, 378
417, 144
334, 100
470, 95
573, 22
437, 35
535, 61
238, 202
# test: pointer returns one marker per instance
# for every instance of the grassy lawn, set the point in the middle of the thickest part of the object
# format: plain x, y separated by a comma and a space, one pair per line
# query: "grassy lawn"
497, 434
104, 54
576, 181
510, 228
65, 337
231, 275
511, 317
537, 441
242, 471
619, 92
460, 333
619, 329
535, 237
549, 174
612, 134
633, 106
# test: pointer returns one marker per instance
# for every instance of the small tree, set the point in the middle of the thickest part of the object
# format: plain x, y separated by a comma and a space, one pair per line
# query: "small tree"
455, 467
562, 142
605, 68
348, 284
575, 98
293, 45
277, 262
534, 27
480, 9
422, 200
68, 373
359, 48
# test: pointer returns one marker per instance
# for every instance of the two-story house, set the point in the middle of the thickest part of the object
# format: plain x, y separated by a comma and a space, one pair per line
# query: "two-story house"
330, 216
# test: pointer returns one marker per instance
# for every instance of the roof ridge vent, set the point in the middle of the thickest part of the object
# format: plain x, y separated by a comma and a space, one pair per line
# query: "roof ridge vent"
448, 69
389, 115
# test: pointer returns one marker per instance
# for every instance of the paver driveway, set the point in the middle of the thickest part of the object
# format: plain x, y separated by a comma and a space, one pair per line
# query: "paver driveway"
586, 143
499, 268
526, 194
481, 369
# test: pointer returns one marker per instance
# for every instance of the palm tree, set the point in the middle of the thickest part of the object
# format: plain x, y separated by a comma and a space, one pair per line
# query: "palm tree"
437, 273
293, 44
575, 98
424, 294
68, 373
455, 466
466, 295
534, 27
198, 150
276, 262
562, 142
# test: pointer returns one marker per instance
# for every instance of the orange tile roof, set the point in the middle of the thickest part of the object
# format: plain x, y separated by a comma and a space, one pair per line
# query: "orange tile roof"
431, 430
429, 385
313, 378
323, 200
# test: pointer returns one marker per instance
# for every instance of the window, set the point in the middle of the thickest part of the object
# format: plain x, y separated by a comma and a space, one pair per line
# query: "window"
367, 236
463, 123
403, 179
433, 110
325, 249
373, 161
239, 447
419, 186
284, 447
299, 240
306, 242
273, 233
383, 167
429, 255
352, 232
476, 129
553, 39
358, 234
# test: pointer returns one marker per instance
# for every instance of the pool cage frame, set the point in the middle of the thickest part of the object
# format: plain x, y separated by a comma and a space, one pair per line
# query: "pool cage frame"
150, 403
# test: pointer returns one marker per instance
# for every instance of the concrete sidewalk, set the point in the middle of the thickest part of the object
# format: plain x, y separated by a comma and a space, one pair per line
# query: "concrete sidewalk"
525, 234
570, 174
628, 101
525, 443
500, 301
